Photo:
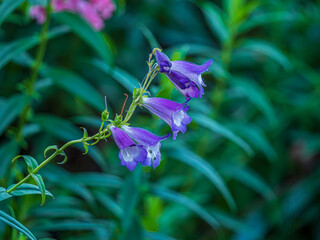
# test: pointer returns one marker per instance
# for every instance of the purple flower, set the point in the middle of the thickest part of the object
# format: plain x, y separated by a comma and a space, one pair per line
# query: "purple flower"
130, 153
174, 114
150, 142
38, 13
184, 75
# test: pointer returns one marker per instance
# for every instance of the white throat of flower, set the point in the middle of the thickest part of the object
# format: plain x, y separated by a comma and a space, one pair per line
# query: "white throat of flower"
178, 117
129, 153
153, 152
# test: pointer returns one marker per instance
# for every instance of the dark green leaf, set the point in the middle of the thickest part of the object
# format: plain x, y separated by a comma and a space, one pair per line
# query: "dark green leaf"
7, 151
185, 155
267, 49
11, 110
13, 49
3, 194
216, 20
77, 86
124, 78
249, 178
189, 203
216, 127
7, 7
93, 38
15, 224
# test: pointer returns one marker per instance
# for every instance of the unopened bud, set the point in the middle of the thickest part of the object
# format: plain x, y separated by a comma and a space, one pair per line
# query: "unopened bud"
105, 115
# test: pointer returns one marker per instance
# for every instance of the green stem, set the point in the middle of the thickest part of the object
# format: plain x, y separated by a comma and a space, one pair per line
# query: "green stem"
35, 71
56, 153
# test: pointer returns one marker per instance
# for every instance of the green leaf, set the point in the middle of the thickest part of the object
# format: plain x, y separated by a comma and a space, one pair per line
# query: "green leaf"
216, 20
102, 229
256, 138
267, 49
235, 225
125, 79
15, 224
7, 7
7, 151
185, 155
38, 179
53, 147
216, 127
85, 145
189, 203
156, 236
256, 96
77, 86
11, 110
93, 38
28, 189
109, 204
3, 194
30, 161
149, 36
55, 212
265, 18
249, 178
65, 158
97, 180
13, 49
38, 2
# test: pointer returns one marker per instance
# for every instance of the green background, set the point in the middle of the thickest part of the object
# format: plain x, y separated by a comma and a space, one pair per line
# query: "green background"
248, 166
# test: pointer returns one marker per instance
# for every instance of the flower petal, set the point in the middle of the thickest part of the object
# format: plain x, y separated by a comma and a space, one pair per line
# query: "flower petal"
163, 62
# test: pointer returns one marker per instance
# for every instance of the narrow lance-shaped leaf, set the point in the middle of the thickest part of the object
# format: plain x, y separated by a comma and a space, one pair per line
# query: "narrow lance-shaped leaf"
15, 224
38, 179
85, 145
30, 161
7, 7
189, 203
216, 127
185, 155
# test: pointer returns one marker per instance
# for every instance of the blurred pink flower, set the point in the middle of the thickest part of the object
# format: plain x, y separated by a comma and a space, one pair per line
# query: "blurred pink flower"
38, 13
94, 11
64, 5
104, 7
89, 13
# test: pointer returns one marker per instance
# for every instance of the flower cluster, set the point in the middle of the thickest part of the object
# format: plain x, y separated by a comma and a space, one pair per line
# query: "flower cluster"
93, 11
140, 146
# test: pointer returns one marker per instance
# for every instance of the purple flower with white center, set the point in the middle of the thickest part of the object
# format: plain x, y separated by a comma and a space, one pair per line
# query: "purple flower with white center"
184, 75
130, 153
150, 142
174, 114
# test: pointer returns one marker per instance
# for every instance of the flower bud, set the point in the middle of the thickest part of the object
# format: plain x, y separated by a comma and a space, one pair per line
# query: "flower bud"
104, 115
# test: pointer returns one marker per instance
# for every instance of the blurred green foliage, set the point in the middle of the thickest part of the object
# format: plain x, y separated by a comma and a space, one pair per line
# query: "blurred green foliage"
247, 168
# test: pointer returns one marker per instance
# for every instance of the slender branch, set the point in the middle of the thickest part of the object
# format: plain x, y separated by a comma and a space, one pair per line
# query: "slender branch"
29, 85
56, 153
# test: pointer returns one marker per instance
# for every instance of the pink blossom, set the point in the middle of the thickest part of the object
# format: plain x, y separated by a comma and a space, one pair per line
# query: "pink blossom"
104, 7
38, 13
64, 5
94, 11
88, 12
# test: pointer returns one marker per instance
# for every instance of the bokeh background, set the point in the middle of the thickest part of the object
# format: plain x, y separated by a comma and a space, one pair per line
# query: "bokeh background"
247, 168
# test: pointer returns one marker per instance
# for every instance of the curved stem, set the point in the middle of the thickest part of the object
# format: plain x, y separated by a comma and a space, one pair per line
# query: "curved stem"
56, 153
